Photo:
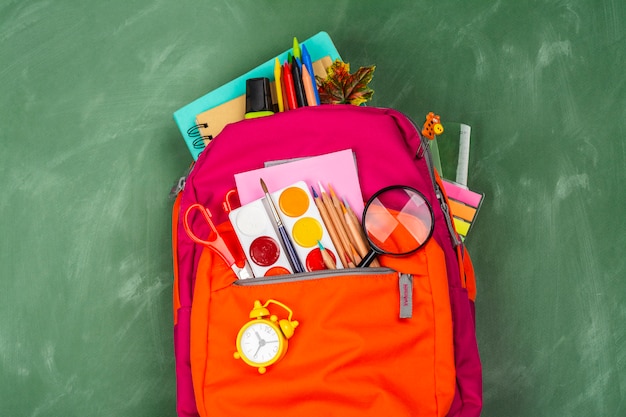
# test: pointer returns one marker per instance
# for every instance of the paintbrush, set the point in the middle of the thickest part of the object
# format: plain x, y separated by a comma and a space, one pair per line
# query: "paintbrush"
287, 244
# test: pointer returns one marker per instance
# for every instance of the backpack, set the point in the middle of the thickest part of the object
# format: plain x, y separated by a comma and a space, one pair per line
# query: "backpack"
350, 346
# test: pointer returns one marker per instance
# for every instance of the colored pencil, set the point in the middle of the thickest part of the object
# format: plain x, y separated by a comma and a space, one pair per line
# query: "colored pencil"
328, 260
334, 237
296, 73
278, 85
308, 87
353, 226
355, 255
289, 87
343, 236
296, 48
337, 205
306, 61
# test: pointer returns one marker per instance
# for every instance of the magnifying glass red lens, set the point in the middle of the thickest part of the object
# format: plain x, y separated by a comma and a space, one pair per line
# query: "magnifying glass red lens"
397, 221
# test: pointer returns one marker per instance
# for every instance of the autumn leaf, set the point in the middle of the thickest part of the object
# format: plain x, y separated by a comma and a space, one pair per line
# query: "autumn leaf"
341, 87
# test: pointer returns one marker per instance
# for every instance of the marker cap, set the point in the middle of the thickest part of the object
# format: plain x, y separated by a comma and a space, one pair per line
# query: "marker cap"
258, 97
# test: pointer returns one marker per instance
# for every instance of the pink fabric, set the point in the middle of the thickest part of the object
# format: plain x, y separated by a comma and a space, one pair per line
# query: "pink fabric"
386, 144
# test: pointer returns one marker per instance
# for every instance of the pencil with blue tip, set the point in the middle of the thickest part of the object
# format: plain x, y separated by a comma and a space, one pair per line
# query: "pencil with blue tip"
328, 260
308, 63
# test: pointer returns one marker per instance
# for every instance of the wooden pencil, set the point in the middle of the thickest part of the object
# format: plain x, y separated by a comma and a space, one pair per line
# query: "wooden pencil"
337, 206
362, 245
328, 260
343, 237
334, 237
355, 255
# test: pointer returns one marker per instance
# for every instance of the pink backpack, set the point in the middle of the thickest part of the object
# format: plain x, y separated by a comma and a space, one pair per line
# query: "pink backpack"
388, 147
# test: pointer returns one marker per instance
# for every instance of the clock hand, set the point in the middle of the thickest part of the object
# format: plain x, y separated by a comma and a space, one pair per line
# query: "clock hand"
262, 343
257, 350
258, 336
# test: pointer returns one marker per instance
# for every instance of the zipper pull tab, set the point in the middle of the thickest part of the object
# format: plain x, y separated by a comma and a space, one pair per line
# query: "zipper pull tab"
177, 188
446, 213
180, 184
406, 295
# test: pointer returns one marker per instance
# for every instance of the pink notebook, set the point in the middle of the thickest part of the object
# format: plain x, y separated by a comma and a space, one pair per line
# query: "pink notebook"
336, 169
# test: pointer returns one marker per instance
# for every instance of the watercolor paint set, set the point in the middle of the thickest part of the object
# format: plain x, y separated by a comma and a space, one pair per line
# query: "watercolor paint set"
261, 239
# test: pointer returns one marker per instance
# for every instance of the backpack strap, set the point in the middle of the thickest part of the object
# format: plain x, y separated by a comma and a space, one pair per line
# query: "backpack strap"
176, 295
466, 267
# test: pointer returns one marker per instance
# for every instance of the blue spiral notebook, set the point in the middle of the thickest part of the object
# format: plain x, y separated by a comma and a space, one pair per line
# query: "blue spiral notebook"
318, 46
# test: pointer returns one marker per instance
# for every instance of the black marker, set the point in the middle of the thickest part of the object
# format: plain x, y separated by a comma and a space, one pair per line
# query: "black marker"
297, 82
258, 98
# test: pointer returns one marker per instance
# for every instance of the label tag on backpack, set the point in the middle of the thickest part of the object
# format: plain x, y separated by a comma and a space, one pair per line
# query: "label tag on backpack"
406, 296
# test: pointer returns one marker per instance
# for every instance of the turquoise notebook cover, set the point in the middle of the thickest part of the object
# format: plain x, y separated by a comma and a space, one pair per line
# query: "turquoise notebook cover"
318, 46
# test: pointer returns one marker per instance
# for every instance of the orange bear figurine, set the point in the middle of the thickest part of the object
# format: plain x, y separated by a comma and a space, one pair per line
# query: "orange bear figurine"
432, 126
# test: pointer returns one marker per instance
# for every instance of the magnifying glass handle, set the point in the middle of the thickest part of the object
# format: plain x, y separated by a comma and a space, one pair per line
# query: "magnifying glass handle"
367, 259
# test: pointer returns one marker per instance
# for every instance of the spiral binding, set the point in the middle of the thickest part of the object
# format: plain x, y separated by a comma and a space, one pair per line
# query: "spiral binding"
194, 132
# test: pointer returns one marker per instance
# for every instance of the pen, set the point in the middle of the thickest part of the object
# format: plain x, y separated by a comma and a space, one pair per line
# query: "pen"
291, 251
278, 86
308, 63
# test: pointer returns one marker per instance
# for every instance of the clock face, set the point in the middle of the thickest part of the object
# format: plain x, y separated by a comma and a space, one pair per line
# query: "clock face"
260, 343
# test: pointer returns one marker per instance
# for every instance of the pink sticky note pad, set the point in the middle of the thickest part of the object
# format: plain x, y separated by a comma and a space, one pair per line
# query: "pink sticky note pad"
336, 169
462, 194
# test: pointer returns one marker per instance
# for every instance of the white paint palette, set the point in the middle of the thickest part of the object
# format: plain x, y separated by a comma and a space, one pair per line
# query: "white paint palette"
260, 240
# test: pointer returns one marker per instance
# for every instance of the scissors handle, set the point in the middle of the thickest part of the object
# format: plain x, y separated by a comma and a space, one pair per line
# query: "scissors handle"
214, 241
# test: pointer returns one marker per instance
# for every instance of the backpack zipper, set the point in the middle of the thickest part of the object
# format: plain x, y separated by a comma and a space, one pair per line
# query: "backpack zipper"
307, 276
405, 283
178, 187
446, 214
180, 184
425, 151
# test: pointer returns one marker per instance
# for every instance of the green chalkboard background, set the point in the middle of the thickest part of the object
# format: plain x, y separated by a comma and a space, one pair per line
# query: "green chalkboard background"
89, 151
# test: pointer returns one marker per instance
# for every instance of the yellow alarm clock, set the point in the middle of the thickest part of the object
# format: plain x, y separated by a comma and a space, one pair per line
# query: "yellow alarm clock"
262, 342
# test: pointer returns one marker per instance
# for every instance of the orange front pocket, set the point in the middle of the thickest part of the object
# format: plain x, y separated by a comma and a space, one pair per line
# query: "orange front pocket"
351, 354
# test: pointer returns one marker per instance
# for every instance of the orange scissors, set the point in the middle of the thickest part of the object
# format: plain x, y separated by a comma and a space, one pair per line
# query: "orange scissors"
216, 243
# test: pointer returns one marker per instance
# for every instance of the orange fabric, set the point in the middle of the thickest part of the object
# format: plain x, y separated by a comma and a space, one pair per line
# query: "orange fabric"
176, 297
351, 355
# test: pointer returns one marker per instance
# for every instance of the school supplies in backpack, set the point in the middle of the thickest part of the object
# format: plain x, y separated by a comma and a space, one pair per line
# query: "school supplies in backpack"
396, 339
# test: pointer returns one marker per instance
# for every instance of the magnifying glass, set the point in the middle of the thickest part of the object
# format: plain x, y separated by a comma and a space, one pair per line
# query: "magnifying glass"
397, 221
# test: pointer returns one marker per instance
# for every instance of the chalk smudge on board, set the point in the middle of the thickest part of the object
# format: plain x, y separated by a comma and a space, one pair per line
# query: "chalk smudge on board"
25, 18
567, 184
